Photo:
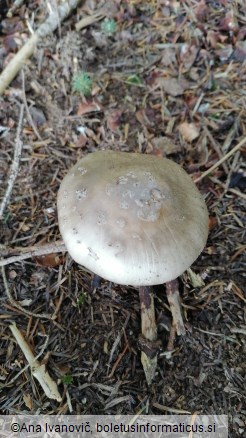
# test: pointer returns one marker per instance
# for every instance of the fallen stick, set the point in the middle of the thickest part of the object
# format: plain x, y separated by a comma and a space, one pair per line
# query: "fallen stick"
47, 383
222, 160
15, 164
34, 251
53, 21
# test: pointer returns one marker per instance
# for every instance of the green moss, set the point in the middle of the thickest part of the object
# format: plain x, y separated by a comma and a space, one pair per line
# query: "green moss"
109, 26
67, 379
82, 83
81, 299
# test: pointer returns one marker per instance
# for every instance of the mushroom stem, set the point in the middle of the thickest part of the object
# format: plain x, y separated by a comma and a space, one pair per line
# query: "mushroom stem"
172, 289
149, 332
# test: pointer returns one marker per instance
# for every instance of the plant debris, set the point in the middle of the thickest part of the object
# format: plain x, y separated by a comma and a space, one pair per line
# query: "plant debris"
155, 66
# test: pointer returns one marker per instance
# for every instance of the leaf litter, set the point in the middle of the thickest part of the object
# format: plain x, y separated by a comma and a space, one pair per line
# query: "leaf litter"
189, 61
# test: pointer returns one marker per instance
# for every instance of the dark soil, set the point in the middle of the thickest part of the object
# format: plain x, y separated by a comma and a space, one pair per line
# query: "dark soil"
170, 81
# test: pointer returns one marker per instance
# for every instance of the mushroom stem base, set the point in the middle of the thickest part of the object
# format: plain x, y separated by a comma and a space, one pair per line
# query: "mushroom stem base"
172, 289
149, 332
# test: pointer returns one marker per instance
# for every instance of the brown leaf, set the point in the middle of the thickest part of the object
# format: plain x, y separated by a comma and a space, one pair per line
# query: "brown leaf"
28, 401
165, 146
11, 42
88, 107
224, 53
188, 55
114, 120
229, 22
168, 57
239, 54
201, 11
142, 117
188, 131
38, 116
173, 86
212, 222
212, 38
49, 260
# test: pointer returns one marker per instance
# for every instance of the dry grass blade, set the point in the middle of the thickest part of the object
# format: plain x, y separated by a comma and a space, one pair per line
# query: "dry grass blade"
222, 160
49, 386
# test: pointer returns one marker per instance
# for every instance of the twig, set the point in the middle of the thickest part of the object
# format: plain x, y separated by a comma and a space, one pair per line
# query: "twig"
169, 409
215, 147
228, 189
51, 24
119, 358
47, 383
226, 156
17, 62
27, 109
34, 251
15, 5
10, 382
87, 21
15, 164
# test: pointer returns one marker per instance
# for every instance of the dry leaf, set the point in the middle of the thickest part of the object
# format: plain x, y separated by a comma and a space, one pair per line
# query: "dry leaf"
188, 55
239, 54
173, 86
168, 57
212, 38
28, 401
142, 117
88, 107
195, 279
114, 120
38, 116
213, 222
188, 131
224, 53
49, 260
201, 11
229, 22
165, 146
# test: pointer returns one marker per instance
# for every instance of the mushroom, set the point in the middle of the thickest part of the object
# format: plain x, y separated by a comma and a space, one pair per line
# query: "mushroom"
135, 220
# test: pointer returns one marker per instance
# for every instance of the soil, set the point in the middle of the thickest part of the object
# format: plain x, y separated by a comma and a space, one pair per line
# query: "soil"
166, 78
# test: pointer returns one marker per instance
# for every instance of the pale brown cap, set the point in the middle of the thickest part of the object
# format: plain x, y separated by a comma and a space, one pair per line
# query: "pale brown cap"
132, 218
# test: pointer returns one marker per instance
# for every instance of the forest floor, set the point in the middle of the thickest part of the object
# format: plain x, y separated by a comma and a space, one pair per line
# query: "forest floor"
160, 77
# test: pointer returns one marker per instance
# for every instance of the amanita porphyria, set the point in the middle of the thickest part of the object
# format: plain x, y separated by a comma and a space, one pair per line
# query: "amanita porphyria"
136, 220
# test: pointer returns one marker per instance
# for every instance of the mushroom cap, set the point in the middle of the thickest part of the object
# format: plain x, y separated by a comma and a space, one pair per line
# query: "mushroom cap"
131, 218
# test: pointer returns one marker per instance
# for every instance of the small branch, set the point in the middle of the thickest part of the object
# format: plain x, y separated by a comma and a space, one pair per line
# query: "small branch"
50, 25
27, 109
17, 62
87, 21
15, 164
15, 5
222, 160
34, 251
216, 148
47, 383
173, 297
